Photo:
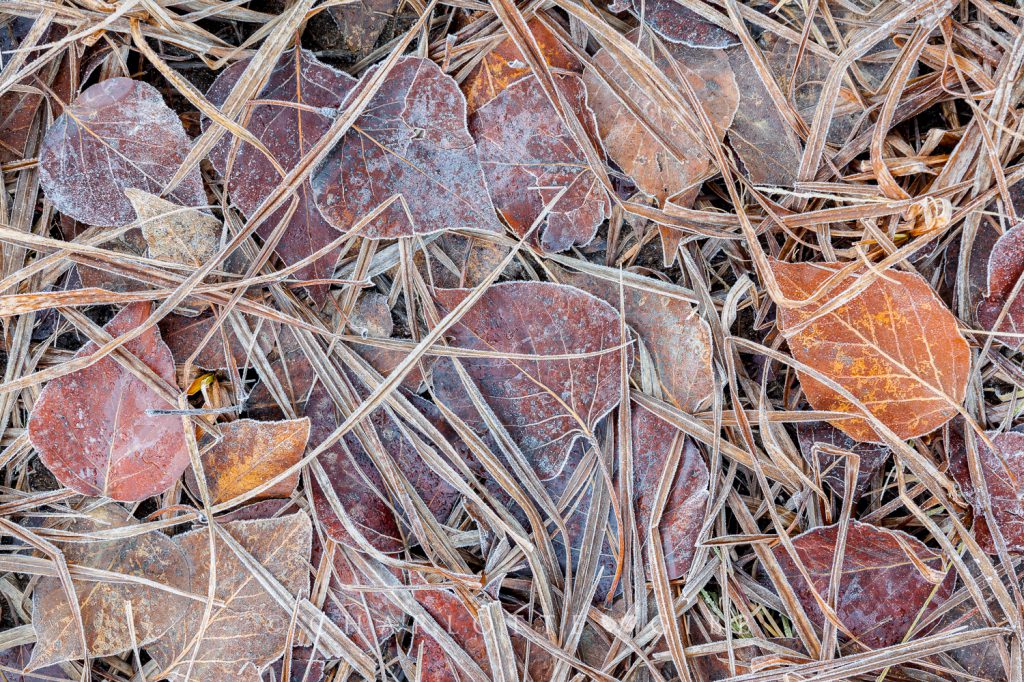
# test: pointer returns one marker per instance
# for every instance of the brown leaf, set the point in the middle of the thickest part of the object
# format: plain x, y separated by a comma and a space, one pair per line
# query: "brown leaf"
544, 404
288, 132
454, 261
678, 339
13, 662
366, 615
352, 28
411, 143
93, 428
529, 156
104, 603
250, 453
185, 236
1005, 267
833, 467
894, 346
1003, 473
183, 334
306, 666
882, 591
676, 23
118, 134
250, 630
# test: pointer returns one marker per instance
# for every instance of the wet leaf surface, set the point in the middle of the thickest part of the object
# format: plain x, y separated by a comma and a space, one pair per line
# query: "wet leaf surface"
813, 435
411, 148
93, 428
117, 135
894, 346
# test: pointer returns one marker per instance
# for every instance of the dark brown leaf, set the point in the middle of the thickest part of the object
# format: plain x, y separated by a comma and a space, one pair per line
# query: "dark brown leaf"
1005, 267
833, 467
13, 662
677, 23
1003, 473
352, 28
183, 334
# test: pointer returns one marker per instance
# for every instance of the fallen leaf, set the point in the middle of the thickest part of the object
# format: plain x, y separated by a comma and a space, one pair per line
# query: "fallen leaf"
833, 467
530, 156
13, 662
882, 592
186, 236
306, 666
250, 629
371, 316
118, 134
544, 403
411, 148
894, 346
93, 430
1005, 267
454, 261
104, 603
352, 28
677, 338
183, 334
676, 23
1003, 473
288, 132
251, 453
367, 615
687, 501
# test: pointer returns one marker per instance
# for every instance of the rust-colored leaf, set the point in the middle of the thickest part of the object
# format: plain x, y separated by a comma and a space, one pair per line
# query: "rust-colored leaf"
183, 334
288, 132
117, 135
1005, 267
454, 261
250, 629
1003, 473
410, 148
813, 435
186, 236
678, 340
883, 589
894, 346
251, 453
104, 603
544, 403
94, 430
530, 156
676, 23
683, 516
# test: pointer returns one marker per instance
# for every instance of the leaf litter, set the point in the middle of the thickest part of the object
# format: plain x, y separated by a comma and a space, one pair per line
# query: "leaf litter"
481, 341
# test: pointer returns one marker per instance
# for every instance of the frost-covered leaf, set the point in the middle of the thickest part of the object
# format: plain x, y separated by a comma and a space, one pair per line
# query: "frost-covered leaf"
288, 132
676, 23
882, 590
683, 516
1003, 472
306, 663
186, 236
895, 346
93, 428
411, 146
454, 261
104, 603
183, 334
117, 135
1005, 267
833, 467
366, 615
13, 662
544, 403
677, 338
250, 629
352, 28
251, 453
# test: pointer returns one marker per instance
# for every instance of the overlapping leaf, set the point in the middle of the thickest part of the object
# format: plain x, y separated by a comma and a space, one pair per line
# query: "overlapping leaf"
814, 435
410, 150
117, 135
677, 23
186, 236
183, 334
293, 113
365, 614
94, 428
894, 346
1002, 470
1003, 298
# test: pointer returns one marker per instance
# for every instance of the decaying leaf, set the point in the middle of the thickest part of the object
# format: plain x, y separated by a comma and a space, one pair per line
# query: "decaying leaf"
294, 111
411, 151
889, 580
677, 338
894, 346
117, 135
544, 403
683, 516
366, 615
1003, 473
352, 28
677, 23
251, 453
454, 261
104, 603
813, 435
250, 629
15, 660
307, 665
179, 235
94, 430
1005, 268
183, 334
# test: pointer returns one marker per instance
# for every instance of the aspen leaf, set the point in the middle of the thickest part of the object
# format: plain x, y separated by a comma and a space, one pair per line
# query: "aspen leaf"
1003, 473
186, 236
183, 334
677, 23
812, 435
15, 660
1005, 267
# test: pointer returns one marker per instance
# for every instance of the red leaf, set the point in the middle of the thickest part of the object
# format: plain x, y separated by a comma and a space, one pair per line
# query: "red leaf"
92, 427
833, 467
1005, 267
118, 134
183, 334
411, 142
1003, 473
676, 23
366, 615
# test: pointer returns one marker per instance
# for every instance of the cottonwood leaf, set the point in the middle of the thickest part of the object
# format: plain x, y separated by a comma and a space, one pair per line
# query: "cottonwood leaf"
292, 113
249, 454
250, 629
93, 428
15, 660
678, 339
530, 156
411, 146
882, 591
544, 403
833, 467
186, 236
118, 134
1005, 267
1002, 470
894, 346
683, 515
183, 334
104, 603
676, 23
